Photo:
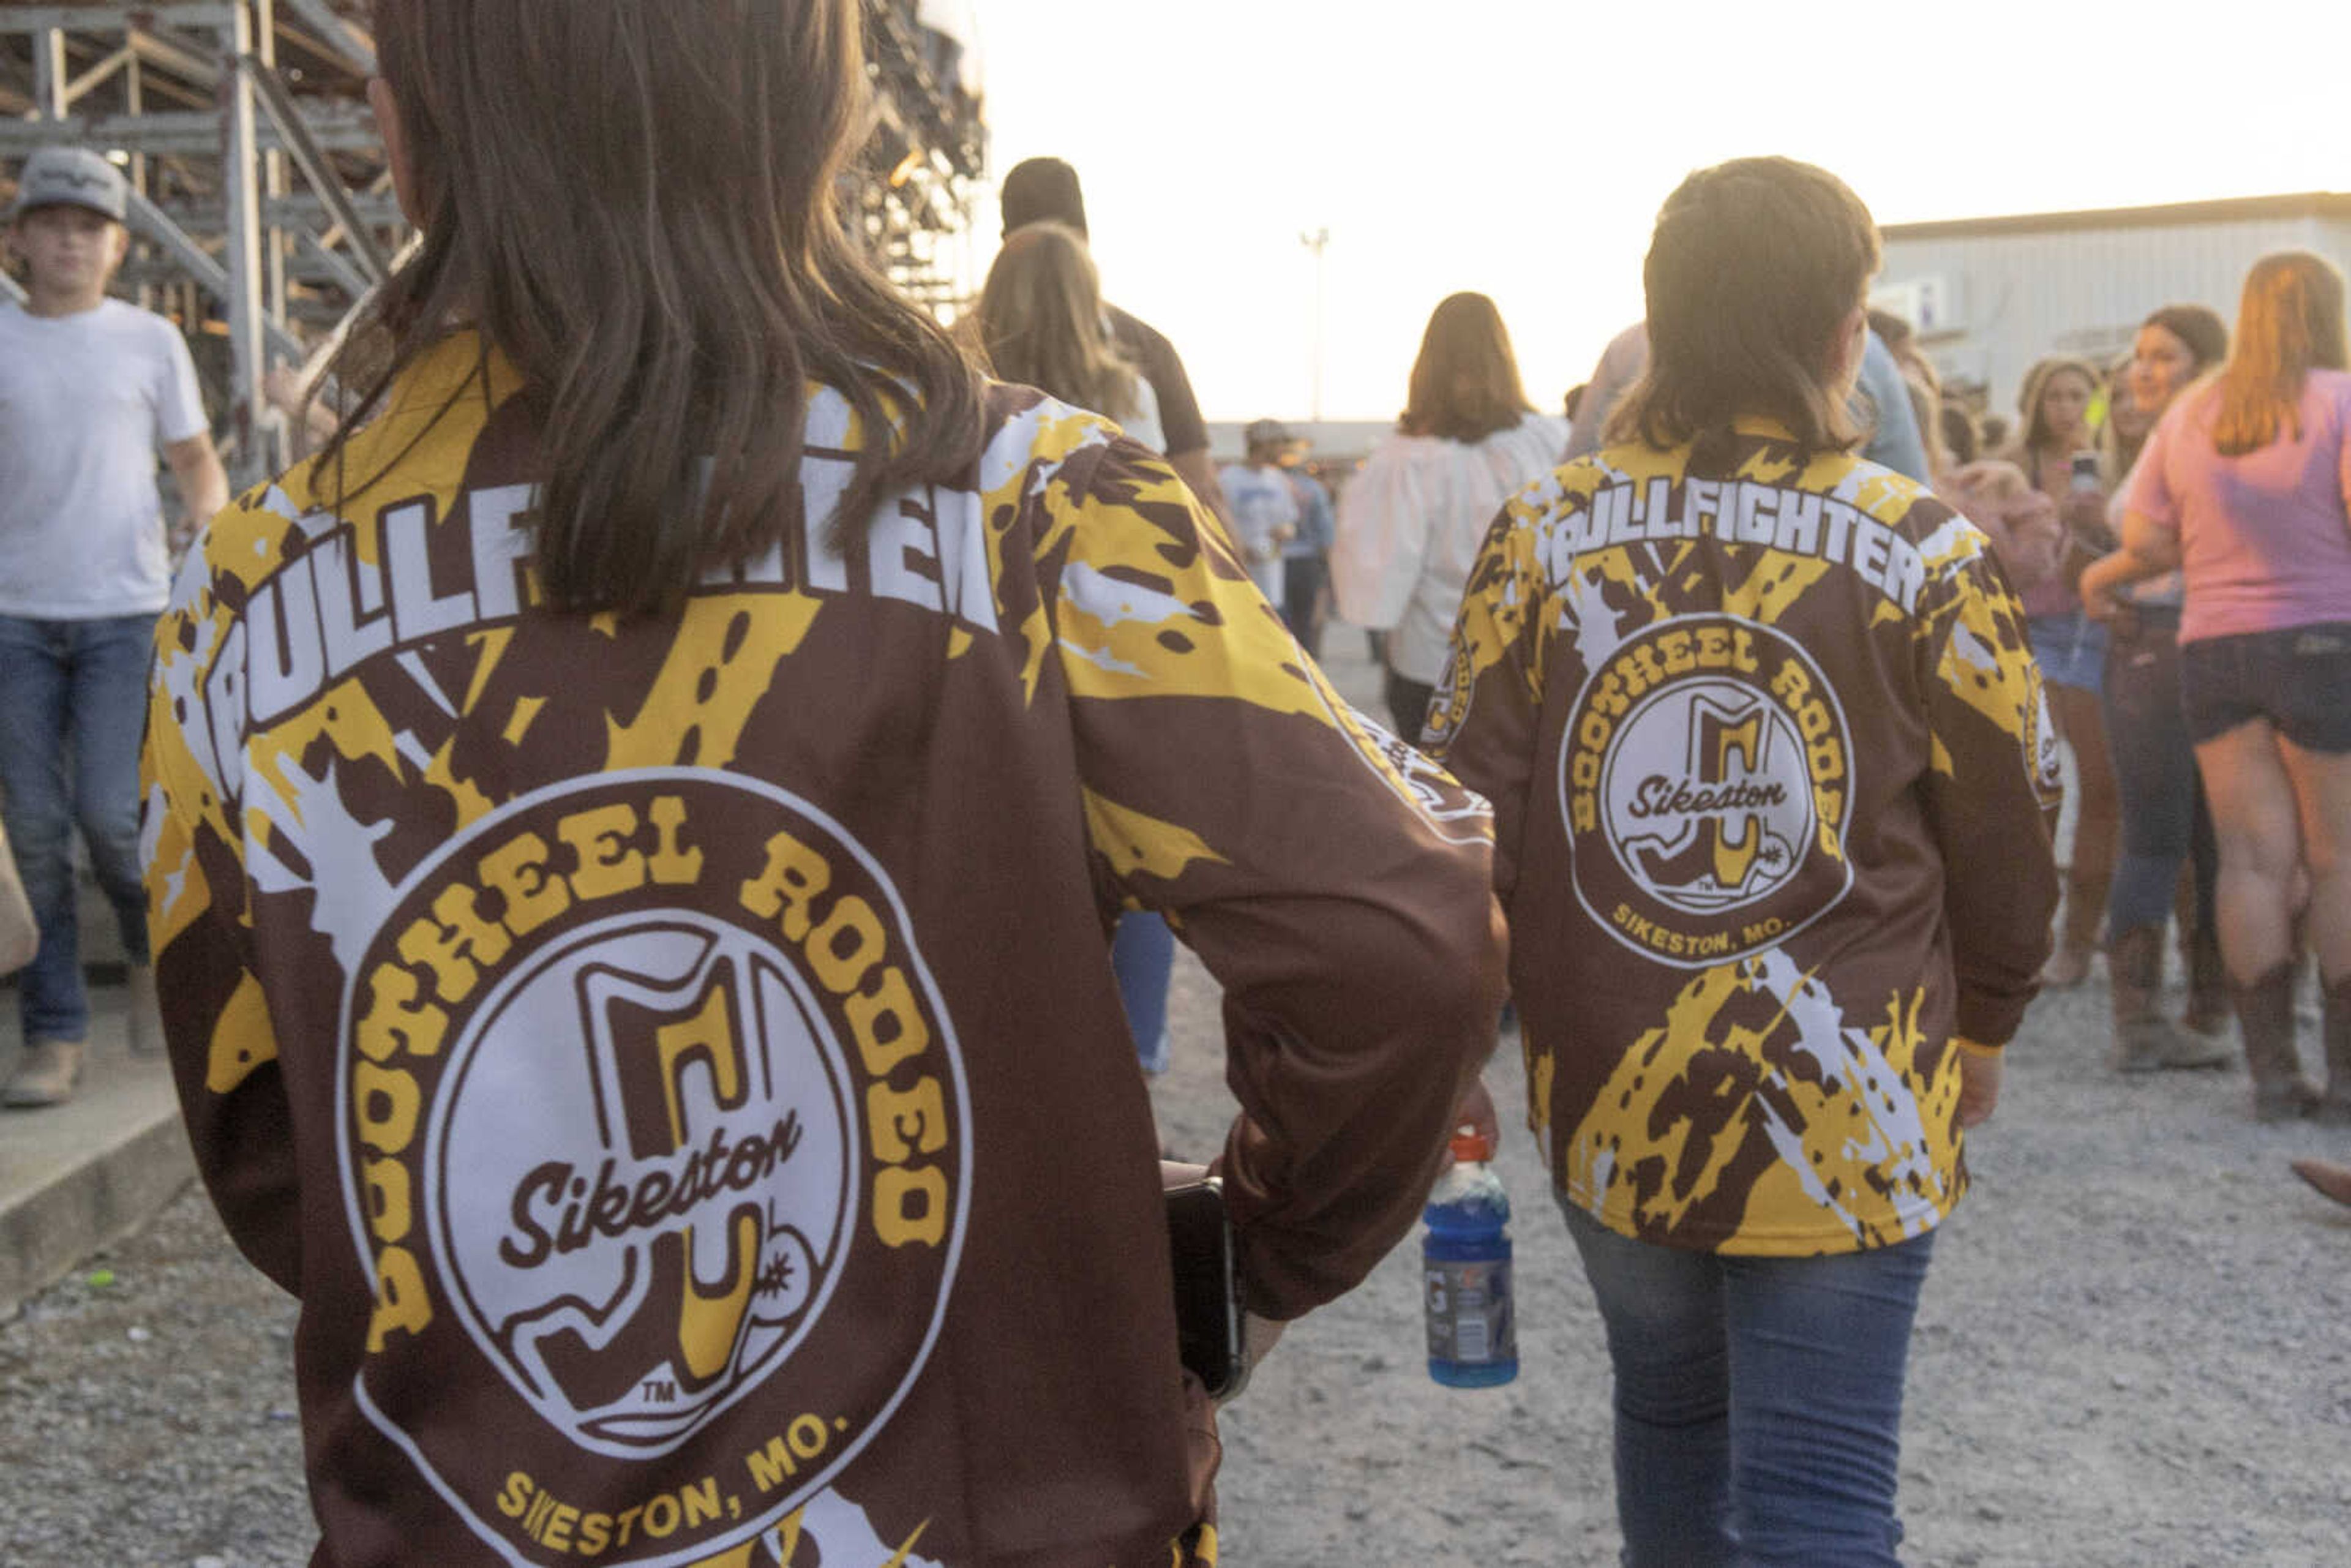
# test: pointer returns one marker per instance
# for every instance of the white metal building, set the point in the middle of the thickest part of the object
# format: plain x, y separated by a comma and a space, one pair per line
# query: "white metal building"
1989, 296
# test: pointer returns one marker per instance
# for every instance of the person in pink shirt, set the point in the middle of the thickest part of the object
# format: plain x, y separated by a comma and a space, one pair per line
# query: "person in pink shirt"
2242, 487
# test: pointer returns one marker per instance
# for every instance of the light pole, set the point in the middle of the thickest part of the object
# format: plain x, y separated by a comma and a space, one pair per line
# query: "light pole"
1319, 241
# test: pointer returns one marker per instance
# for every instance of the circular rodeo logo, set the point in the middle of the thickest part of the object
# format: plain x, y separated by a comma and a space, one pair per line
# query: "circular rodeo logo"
1705, 780
627, 1110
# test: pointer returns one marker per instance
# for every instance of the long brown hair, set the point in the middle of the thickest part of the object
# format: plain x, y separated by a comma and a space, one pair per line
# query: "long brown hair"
1040, 321
636, 205
1753, 267
1465, 384
2026, 448
2290, 323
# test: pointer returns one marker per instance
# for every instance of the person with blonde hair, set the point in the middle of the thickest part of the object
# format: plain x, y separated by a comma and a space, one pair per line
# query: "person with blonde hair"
1048, 190
2071, 648
2242, 487
632, 828
1040, 322
1766, 753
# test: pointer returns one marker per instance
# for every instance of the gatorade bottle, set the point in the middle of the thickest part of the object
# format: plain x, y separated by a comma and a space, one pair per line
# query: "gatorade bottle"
1473, 1340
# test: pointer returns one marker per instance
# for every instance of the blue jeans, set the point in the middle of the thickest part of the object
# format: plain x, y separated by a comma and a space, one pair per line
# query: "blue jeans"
73, 705
2164, 818
1758, 1400
1142, 955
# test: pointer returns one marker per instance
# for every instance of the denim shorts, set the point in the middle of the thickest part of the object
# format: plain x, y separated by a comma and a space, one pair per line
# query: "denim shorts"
2298, 678
2070, 648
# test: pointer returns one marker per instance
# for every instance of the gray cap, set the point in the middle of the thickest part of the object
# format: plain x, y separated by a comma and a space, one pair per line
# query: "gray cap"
71, 177
1267, 433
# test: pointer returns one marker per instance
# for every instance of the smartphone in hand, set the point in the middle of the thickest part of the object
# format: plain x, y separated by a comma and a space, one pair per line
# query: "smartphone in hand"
1211, 1330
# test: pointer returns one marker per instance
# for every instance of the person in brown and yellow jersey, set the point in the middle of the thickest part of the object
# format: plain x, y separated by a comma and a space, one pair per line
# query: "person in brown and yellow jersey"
633, 829
1773, 780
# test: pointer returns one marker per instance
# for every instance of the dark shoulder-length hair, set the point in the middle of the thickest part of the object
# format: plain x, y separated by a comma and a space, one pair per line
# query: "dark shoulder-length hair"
1465, 384
1754, 266
637, 205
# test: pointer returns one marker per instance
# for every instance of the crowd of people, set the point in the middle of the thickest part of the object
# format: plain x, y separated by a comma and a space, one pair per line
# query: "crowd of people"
664, 842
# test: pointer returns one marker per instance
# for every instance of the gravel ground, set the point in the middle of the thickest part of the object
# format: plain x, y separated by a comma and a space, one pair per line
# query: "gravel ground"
147, 1410
2133, 1350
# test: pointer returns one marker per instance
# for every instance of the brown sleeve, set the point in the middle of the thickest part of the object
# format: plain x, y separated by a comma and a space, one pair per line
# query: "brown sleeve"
1992, 795
1336, 884
222, 1049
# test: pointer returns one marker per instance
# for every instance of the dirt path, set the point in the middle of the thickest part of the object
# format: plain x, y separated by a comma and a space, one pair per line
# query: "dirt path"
2134, 1346
2134, 1349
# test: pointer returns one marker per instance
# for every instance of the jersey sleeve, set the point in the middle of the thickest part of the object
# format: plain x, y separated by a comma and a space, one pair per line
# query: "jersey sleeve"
1992, 789
1331, 880
216, 1026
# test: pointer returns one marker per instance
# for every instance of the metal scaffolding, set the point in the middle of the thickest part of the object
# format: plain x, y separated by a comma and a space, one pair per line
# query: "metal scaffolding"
922, 170
262, 208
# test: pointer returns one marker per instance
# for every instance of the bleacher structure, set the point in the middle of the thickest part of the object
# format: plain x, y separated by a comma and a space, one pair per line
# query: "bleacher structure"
263, 210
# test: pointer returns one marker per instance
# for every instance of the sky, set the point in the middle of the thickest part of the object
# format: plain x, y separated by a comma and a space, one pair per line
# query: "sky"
1521, 148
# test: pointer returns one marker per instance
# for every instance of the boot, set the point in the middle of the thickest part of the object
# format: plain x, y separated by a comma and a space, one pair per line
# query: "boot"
2208, 984
2145, 1041
2335, 1105
2077, 932
2332, 1179
146, 1013
2265, 1020
46, 1075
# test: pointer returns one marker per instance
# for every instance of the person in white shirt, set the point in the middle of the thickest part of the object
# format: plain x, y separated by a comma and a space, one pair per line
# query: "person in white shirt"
1411, 523
90, 390
1264, 504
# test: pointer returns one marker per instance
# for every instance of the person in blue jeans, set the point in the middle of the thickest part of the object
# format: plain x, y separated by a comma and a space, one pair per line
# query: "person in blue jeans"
1306, 558
90, 390
1143, 957
1773, 783
2165, 821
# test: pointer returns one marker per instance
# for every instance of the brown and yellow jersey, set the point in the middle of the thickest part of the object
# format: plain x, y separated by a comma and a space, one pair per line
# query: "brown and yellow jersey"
1771, 773
675, 1060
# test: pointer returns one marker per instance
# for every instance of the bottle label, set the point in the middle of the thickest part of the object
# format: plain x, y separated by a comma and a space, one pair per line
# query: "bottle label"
1470, 1319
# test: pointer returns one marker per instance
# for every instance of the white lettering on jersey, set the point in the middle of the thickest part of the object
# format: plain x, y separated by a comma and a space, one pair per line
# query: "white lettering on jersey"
1742, 512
